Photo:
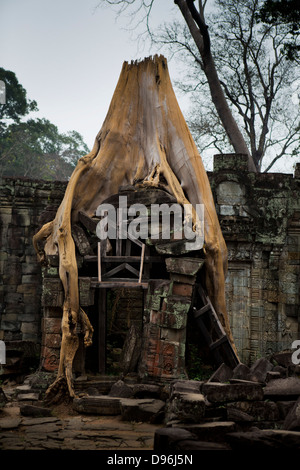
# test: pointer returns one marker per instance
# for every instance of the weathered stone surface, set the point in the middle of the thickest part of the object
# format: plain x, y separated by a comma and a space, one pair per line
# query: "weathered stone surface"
259, 370
241, 371
283, 387
99, 405
187, 407
120, 389
271, 375
215, 431
187, 266
146, 391
253, 411
188, 445
3, 398
131, 350
219, 392
35, 411
264, 440
166, 439
283, 359
292, 421
223, 374
147, 410
187, 386
10, 423
28, 396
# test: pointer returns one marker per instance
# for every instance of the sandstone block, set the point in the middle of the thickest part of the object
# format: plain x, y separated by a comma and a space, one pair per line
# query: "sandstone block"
220, 392
147, 410
99, 405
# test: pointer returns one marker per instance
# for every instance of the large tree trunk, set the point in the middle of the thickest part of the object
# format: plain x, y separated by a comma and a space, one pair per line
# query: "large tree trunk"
143, 138
199, 32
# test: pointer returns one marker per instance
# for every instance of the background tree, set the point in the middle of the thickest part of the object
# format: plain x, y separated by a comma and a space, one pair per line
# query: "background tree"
33, 148
240, 64
284, 13
256, 77
17, 104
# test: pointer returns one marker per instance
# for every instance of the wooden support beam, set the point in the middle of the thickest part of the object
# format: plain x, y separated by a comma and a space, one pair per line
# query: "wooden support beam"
142, 263
102, 331
99, 262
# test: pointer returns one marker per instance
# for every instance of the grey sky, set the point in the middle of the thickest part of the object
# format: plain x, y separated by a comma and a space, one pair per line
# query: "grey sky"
68, 56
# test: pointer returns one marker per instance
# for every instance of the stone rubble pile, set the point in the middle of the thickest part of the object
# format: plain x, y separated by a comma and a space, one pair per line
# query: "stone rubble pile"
247, 407
257, 407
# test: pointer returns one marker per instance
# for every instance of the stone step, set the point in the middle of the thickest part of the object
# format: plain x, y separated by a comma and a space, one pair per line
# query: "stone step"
219, 392
131, 409
99, 405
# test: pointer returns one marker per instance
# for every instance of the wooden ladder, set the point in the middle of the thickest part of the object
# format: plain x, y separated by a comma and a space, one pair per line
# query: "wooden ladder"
212, 330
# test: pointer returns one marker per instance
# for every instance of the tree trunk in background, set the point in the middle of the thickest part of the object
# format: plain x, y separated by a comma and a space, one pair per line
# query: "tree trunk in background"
199, 32
144, 139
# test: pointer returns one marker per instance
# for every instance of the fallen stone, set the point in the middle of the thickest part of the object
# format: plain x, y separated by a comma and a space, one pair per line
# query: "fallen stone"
289, 387
241, 371
99, 405
264, 439
167, 439
282, 371
120, 389
187, 407
35, 411
40, 421
24, 388
9, 423
187, 445
292, 420
142, 410
284, 407
186, 386
211, 431
3, 398
146, 391
283, 358
272, 375
259, 370
219, 392
223, 374
253, 411
28, 396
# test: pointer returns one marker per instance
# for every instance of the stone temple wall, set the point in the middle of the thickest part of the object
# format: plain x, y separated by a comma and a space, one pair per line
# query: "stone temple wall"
260, 219
24, 208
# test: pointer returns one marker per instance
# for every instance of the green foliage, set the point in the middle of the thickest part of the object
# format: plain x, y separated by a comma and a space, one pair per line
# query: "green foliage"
17, 104
197, 368
284, 13
33, 148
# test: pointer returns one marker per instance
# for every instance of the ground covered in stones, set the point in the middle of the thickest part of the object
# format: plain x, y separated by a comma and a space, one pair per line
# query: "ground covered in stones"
245, 408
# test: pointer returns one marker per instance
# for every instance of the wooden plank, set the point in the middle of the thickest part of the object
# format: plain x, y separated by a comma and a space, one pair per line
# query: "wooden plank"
142, 263
221, 348
201, 311
218, 342
120, 259
110, 284
102, 331
87, 221
99, 261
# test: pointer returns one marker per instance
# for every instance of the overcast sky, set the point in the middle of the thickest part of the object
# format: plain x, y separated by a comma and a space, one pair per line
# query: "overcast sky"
68, 56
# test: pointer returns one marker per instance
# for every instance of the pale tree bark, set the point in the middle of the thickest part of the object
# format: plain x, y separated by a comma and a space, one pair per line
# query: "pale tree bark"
198, 29
144, 139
